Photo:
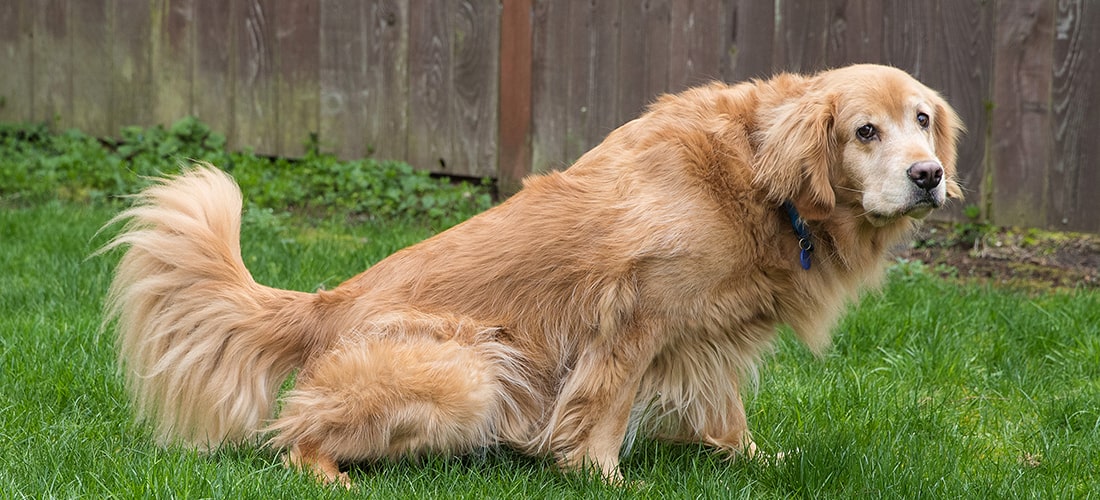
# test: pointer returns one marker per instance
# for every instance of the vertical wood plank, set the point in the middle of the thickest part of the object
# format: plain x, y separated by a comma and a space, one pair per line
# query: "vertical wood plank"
1021, 117
133, 92
1076, 118
632, 61
343, 78
753, 27
800, 34
387, 78
476, 49
297, 28
905, 38
515, 94
173, 34
16, 88
854, 33
549, 76
430, 84
255, 74
604, 78
959, 63
90, 39
52, 96
579, 62
212, 71
657, 19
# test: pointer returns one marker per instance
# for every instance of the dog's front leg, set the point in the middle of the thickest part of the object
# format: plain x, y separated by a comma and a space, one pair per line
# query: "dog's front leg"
593, 407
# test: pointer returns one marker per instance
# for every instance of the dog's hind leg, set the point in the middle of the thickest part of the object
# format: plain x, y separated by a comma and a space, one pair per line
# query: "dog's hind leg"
397, 391
590, 421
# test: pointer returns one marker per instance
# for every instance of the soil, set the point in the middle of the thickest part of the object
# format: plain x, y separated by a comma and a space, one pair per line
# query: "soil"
1027, 259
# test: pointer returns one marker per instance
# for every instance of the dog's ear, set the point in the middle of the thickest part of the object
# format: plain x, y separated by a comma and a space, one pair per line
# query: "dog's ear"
946, 129
796, 147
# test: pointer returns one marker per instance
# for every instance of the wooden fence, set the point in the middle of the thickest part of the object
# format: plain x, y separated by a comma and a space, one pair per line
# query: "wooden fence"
502, 89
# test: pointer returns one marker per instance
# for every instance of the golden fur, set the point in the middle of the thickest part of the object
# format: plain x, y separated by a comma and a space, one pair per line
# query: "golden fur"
633, 293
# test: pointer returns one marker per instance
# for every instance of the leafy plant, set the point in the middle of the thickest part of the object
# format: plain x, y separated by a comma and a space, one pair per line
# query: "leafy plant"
36, 164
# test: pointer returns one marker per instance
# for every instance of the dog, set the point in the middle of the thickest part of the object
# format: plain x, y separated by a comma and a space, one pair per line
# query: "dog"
632, 294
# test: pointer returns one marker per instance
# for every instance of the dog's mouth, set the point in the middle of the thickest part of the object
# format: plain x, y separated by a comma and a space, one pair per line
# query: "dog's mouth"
919, 207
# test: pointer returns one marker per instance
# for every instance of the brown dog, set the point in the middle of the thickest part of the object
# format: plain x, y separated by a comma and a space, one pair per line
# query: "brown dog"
632, 293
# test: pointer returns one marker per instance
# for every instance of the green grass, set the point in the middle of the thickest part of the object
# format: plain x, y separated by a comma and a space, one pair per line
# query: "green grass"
932, 390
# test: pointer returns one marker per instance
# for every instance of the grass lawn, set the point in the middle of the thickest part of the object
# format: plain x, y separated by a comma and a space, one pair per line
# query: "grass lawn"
933, 389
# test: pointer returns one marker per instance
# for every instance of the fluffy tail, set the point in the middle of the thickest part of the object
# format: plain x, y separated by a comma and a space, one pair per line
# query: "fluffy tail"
204, 348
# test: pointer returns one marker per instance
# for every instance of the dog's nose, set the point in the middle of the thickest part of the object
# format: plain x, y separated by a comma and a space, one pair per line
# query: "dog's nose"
926, 174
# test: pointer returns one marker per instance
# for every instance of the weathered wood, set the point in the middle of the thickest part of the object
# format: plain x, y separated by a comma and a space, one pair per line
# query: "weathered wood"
297, 30
604, 82
1022, 139
853, 32
476, 49
173, 45
630, 66
515, 94
800, 36
1074, 178
579, 66
133, 92
212, 71
550, 92
255, 73
753, 40
387, 78
51, 71
343, 79
431, 84
959, 63
16, 87
90, 39
657, 19
696, 46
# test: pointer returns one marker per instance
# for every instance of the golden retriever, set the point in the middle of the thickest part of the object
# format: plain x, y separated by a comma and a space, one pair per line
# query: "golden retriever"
631, 294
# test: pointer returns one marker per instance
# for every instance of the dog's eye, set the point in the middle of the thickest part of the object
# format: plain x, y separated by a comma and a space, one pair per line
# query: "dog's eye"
866, 132
923, 120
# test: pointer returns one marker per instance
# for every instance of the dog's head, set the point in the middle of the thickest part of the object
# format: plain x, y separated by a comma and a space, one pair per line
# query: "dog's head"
866, 136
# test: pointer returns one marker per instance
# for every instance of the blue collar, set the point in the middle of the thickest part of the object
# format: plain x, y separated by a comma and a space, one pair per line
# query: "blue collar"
805, 239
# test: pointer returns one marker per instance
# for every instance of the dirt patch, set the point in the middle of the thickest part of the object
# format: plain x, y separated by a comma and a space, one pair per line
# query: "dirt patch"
1028, 259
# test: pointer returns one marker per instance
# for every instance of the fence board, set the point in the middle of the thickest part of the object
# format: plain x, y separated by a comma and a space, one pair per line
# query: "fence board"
1021, 119
51, 72
697, 44
658, 36
854, 32
515, 93
801, 31
133, 92
630, 65
90, 39
387, 118
173, 43
753, 40
431, 84
16, 88
475, 52
550, 92
254, 80
297, 30
579, 62
1076, 118
343, 113
212, 71
959, 62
